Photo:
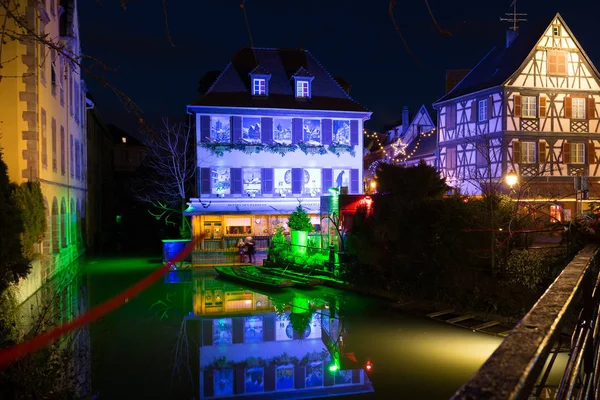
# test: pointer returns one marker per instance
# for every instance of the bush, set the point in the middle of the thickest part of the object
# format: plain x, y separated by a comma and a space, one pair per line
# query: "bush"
300, 221
279, 249
28, 196
527, 268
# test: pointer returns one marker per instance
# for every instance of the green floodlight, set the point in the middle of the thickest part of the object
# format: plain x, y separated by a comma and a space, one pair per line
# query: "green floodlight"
333, 368
334, 190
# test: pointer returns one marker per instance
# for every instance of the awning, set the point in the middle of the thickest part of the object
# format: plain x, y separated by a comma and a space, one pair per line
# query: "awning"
262, 206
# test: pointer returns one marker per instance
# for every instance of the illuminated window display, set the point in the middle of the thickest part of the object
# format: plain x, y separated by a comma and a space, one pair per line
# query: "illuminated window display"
251, 181
251, 130
238, 225
222, 331
282, 130
343, 377
282, 179
278, 221
311, 131
341, 177
285, 377
220, 129
314, 374
341, 131
220, 180
255, 380
312, 182
253, 329
223, 381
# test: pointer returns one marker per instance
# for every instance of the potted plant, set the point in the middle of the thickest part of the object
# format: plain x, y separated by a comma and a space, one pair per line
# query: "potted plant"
300, 227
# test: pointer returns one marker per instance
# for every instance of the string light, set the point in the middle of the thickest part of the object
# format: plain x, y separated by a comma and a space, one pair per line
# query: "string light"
398, 146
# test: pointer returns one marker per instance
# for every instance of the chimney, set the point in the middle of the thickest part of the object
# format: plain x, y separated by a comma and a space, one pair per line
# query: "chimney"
405, 121
511, 35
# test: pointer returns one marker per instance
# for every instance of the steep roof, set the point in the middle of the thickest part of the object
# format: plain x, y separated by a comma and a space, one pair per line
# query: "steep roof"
501, 63
232, 87
425, 145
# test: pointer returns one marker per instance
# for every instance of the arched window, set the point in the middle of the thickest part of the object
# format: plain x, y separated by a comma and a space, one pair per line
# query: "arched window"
73, 222
63, 222
55, 226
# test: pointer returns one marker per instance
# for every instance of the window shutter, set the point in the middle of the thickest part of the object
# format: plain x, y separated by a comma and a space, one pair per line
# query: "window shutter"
490, 107
205, 128
326, 180
270, 374
239, 373
591, 153
296, 130
207, 332
266, 130
297, 175
568, 107
542, 106
354, 184
517, 104
269, 330
591, 108
267, 180
204, 180
566, 152
236, 129
451, 117
327, 133
541, 151
474, 111
236, 180
209, 381
237, 330
516, 151
354, 132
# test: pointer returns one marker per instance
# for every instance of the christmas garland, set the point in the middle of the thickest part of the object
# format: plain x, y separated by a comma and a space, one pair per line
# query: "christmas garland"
251, 362
219, 149
337, 149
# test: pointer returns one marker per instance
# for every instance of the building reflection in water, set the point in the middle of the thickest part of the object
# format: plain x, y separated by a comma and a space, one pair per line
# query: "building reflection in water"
255, 343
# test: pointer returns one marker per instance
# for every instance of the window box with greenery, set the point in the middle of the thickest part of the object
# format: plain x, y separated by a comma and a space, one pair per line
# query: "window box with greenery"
338, 149
310, 149
300, 226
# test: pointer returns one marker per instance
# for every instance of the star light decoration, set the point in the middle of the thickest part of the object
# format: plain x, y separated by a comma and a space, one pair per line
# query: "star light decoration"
398, 147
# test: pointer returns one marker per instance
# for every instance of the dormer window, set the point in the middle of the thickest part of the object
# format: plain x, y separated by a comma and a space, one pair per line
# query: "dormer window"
259, 87
302, 89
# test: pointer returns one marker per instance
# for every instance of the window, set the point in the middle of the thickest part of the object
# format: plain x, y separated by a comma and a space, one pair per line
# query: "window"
260, 87
282, 180
451, 116
62, 74
52, 8
312, 182
42, 60
76, 103
251, 181
578, 108
482, 155
282, 130
577, 153
253, 330
222, 330
556, 30
72, 147
81, 162
311, 131
220, 180
63, 151
123, 139
44, 140
341, 131
54, 162
341, 178
251, 130
53, 70
77, 160
220, 129
557, 62
301, 88
450, 157
555, 213
482, 110
528, 152
529, 107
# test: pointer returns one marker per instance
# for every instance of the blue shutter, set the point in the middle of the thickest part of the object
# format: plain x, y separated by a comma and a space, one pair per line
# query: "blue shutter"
269, 328
270, 372
236, 129
296, 130
239, 379
354, 187
299, 376
237, 330
353, 132
266, 130
267, 180
326, 180
207, 332
204, 180
327, 133
297, 175
205, 128
209, 382
236, 180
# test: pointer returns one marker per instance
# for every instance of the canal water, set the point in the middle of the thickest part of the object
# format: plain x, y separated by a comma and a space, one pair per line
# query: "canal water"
193, 336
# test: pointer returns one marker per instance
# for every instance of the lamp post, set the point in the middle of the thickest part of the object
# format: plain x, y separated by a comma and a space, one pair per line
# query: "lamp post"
373, 186
511, 179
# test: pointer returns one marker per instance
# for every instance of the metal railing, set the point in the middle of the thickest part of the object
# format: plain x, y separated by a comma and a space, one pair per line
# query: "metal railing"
519, 368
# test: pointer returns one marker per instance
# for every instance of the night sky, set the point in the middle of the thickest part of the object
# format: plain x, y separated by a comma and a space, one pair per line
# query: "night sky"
352, 39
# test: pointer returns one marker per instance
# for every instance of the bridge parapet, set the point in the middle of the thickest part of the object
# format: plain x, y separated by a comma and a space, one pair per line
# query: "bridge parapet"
515, 368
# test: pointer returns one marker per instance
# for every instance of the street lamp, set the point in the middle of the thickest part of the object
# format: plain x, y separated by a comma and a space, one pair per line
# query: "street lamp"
511, 179
373, 186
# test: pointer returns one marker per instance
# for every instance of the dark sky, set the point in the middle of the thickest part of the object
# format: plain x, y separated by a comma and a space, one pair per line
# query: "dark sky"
353, 39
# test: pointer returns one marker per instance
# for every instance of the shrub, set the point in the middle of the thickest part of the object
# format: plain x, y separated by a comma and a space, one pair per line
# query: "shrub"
527, 268
300, 221
29, 198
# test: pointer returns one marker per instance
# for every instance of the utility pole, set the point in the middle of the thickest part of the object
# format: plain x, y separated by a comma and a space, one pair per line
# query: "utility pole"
514, 17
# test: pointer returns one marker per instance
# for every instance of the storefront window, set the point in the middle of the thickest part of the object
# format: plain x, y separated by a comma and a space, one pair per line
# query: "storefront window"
341, 131
341, 177
251, 130
282, 178
238, 226
312, 182
555, 213
261, 226
220, 180
282, 130
252, 181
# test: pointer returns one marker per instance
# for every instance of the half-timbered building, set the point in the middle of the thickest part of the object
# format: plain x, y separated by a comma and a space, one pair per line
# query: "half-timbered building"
529, 107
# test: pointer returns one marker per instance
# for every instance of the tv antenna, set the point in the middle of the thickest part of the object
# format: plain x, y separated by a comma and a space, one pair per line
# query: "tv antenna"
514, 17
